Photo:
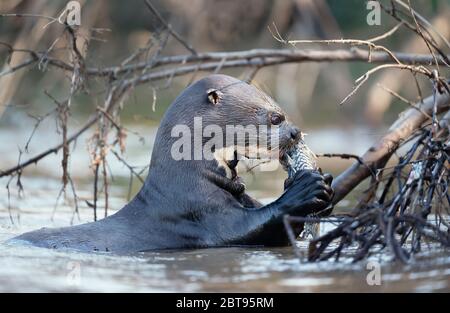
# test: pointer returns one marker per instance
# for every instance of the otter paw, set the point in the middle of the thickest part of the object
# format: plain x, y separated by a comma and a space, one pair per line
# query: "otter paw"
307, 192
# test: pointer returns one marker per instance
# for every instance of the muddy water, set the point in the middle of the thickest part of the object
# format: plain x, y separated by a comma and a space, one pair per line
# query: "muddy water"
225, 269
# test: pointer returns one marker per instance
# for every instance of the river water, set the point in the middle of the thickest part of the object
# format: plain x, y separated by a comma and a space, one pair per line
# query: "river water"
33, 269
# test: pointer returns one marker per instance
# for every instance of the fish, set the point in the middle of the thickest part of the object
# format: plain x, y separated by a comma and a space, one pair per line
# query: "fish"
300, 157
296, 158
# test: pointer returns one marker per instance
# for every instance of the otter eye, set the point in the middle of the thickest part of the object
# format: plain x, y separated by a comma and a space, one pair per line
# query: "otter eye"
214, 96
276, 119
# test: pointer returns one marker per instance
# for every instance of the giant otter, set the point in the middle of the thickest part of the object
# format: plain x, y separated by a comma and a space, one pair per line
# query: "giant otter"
200, 203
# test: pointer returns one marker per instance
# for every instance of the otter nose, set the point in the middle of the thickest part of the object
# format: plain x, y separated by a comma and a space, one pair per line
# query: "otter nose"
295, 133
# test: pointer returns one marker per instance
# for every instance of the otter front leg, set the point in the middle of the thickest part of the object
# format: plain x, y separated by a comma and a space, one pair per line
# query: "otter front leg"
308, 192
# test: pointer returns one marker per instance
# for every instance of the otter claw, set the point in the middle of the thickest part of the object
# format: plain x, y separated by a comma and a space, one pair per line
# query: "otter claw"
307, 192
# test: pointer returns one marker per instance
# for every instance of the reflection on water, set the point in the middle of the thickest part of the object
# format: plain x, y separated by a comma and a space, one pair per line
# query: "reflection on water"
223, 269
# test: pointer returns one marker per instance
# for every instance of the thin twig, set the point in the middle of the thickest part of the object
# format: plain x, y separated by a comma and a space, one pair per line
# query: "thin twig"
169, 27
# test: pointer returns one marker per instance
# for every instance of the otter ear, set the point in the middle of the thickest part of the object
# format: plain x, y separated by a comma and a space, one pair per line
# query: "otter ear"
214, 96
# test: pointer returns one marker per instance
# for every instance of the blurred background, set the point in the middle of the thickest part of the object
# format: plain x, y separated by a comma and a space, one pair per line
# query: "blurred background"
309, 92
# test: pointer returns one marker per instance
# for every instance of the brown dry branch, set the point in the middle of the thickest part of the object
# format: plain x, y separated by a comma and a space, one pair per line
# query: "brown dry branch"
395, 212
369, 43
383, 214
246, 58
399, 215
251, 58
169, 27
426, 23
403, 99
356, 42
400, 16
377, 155
22, 165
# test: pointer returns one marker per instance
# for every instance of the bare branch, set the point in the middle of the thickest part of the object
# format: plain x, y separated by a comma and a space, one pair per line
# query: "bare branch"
169, 27
380, 152
246, 58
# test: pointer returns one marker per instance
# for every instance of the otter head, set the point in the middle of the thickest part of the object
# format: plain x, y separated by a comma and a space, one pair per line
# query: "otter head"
225, 119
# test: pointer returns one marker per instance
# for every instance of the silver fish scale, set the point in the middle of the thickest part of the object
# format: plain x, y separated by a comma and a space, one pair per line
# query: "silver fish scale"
300, 157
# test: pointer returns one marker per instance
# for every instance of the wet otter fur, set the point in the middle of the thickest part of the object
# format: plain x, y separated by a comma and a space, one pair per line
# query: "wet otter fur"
199, 203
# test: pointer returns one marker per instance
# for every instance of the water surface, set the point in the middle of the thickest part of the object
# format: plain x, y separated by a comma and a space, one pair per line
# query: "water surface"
33, 269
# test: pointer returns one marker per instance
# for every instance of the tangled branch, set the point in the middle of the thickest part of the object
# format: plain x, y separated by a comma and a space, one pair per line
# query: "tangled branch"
395, 210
